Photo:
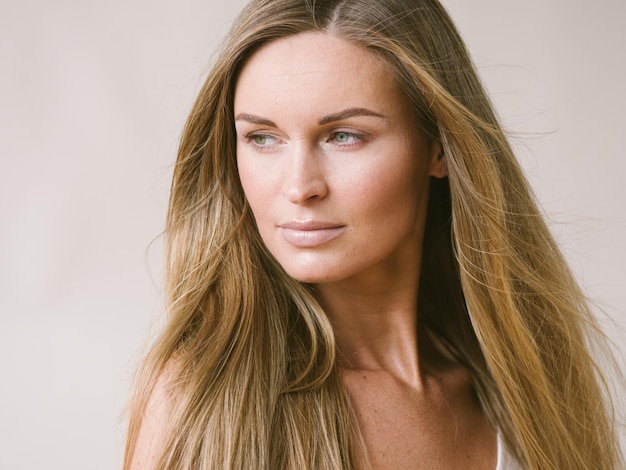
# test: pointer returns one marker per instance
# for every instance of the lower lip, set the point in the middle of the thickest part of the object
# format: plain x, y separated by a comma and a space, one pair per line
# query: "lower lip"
310, 238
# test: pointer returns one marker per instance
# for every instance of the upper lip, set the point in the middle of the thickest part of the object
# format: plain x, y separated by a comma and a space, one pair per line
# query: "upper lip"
309, 225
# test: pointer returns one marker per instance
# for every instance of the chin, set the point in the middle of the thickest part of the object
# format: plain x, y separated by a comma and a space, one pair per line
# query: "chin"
312, 271
311, 276
316, 266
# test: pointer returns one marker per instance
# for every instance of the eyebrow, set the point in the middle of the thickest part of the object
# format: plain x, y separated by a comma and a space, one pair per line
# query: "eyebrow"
254, 119
344, 114
348, 113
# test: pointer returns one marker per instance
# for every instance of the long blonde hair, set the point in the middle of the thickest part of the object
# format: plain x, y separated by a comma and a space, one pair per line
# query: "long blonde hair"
250, 354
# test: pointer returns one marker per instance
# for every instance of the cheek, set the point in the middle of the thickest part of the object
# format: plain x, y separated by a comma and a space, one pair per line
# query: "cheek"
391, 192
256, 189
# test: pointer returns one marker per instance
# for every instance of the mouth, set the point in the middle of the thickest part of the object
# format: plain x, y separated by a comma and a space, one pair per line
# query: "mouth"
311, 233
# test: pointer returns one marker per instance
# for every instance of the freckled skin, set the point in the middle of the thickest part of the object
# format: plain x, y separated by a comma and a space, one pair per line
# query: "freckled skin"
376, 187
325, 138
437, 426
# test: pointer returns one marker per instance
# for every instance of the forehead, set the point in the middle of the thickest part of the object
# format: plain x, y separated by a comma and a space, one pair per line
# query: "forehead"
316, 67
304, 50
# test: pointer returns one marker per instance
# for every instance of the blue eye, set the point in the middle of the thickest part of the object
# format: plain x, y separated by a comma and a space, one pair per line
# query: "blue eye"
345, 138
342, 137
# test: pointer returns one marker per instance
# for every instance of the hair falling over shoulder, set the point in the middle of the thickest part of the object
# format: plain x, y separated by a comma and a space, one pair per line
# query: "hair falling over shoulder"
247, 358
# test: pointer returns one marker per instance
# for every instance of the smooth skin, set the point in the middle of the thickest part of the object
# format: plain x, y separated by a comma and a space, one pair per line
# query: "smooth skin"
336, 170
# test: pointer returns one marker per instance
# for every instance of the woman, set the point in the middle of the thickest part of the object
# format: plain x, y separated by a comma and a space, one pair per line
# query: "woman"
357, 273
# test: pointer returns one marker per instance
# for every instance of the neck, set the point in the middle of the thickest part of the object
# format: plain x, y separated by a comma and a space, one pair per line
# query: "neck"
375, 329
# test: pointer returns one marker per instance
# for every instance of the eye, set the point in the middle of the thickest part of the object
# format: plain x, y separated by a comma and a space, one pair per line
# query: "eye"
344, 138
261, 139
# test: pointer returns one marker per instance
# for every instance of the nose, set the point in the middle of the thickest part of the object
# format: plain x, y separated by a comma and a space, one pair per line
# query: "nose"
304, 178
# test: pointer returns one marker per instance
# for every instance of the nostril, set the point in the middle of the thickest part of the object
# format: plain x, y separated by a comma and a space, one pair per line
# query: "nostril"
299, 192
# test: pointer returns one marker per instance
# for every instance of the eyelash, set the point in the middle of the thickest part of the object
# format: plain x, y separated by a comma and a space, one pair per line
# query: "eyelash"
251, 137
355, 139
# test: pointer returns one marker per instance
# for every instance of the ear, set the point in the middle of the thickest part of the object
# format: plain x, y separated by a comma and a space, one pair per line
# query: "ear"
438, 165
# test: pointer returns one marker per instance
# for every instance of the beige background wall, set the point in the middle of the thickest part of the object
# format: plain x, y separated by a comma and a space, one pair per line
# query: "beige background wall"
93, 96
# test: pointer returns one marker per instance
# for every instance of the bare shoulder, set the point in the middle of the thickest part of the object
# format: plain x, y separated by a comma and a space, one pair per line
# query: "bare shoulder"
152, 436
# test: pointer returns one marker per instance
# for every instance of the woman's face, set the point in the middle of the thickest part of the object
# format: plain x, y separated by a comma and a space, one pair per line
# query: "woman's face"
332, 160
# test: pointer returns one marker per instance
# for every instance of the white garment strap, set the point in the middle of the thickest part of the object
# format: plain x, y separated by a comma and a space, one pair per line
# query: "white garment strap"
505, 460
